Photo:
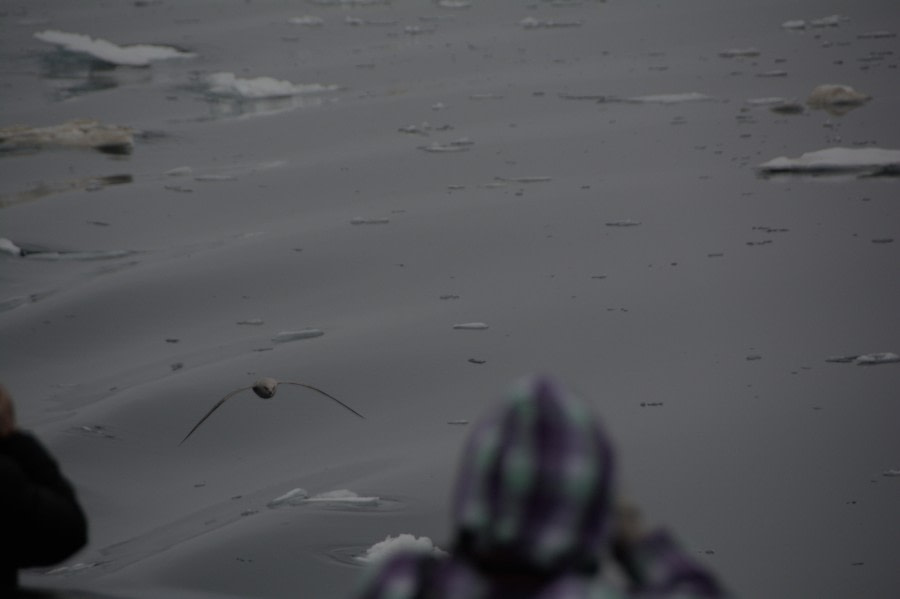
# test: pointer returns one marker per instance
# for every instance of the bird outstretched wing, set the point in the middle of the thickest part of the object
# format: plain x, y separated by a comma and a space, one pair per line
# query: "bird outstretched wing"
331, 397
213, 409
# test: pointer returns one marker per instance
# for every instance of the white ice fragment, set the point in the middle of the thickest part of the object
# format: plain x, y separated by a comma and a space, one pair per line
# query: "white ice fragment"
829, 21
215, 178
794, 24
537, 179
251, 321
835, 95
180, 171
307, 21
768, 101
8, 247
459, 145
292, 497
227, 84
454, 3
78, 133
134, 56
877, 358
670, 98
470, 326
359, 220
837, 160
874, 35
287, 336
623, 223
739, 52
532, 23
343, 496
891, 472
402, 542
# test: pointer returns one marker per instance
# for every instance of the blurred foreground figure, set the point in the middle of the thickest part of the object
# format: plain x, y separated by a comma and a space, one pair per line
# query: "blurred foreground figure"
535, 515
41, 522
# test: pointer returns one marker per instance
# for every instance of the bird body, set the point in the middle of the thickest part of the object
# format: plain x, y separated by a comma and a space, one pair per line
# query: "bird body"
264, 388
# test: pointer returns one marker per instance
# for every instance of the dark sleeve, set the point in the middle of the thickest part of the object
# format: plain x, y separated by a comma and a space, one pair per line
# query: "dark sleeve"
665, 570
41, 520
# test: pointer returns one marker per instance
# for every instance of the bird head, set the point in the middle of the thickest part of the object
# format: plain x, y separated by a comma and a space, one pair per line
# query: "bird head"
265, 387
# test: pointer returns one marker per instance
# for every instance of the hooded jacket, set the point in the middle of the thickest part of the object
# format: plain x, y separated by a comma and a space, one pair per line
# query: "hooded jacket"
532, 509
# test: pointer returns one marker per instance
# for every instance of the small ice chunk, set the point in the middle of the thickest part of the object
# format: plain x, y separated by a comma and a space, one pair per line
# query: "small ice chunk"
292, 497
459, 145
794, 24
739, 52
454, 3
402, 542
458, 422
874, 35
8, 247
835, 95
525, 179
623, 223
78, 133
829, 21
877, 358
215, 178
533, 23
134, 56
343, 496
251, 321
670, 98
891, 472
837, 160
359, 220
180, 171
768, 101
307, 21
288, 336
471, 326
228, 84
842, 359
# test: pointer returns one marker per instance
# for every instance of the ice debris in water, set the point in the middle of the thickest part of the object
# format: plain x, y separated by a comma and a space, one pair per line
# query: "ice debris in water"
836, 98
829, 21
78, 133
8, 247
292, 497
874, 35
344, 497
402, 542
623, 223
359, 220
251, 321
227, 84
139, 55
179, 171
670, 98
533, 23
877, 358
739, 53
459, 145
891, 472
454, 3
470, 326
875, 161
308, 21
287, 336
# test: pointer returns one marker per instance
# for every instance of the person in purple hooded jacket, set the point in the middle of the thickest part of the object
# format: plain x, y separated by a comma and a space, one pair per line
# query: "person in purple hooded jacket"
536, 517
41, 522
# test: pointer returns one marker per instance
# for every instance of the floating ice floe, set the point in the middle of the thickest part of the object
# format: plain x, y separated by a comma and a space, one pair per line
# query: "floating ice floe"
307, 21
794, 24
86, 255
623, 223
140, 55
251, 322
288, 336
874, 35
533, 23
79, 133
877, 358
338, 497
8, 247
459, 145
865, 161
228, 84
835, 98
454, 3
402, 542
670, 98
891, 472
524, 179
471, 326
292, 497
829, 21
739, 53
359, 220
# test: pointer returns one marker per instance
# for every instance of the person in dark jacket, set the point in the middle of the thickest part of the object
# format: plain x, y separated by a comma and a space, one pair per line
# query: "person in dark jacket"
41, 522
537, 517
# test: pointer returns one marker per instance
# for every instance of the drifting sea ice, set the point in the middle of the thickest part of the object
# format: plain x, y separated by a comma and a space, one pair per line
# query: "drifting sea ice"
288, 336
891, 472
471, 326
139, 55
78, 133
532, 23
836, 96
739, 53
877, 358
837, 161
402, 542
8, 247
307, 21
338, 497
670, 98
227, 84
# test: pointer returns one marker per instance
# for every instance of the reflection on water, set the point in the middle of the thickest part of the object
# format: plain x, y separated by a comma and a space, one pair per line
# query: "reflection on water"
71, 74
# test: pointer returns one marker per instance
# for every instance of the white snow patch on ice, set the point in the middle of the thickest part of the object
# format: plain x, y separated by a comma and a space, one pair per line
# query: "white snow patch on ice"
670, 98
877, 358
343, 496
287, 336
228, 84
8, 247
837, 160
402, 542
292, 497
139, 55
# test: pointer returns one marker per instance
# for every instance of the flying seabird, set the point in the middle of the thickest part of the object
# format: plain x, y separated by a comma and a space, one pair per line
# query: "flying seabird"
265, 388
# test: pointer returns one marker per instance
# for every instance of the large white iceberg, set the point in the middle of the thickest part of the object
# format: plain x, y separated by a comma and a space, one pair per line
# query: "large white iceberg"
837, 161
138, 55
228, 84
